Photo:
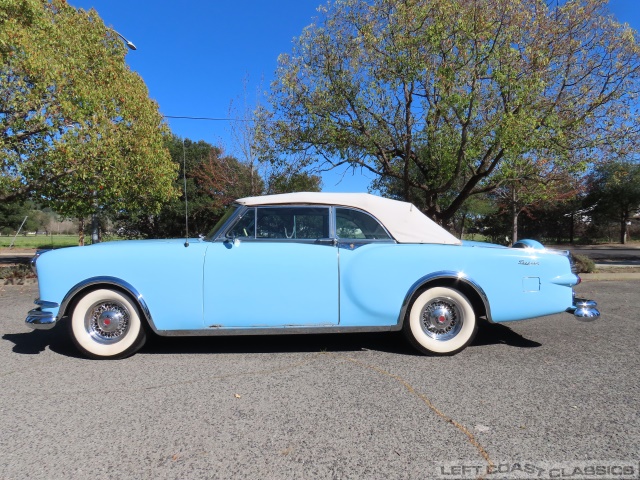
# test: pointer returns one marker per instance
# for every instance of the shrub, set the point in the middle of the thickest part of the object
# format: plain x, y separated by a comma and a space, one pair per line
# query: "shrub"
584, 264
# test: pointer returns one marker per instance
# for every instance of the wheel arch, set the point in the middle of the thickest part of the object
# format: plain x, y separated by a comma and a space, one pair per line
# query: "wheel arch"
113, 283
465, 285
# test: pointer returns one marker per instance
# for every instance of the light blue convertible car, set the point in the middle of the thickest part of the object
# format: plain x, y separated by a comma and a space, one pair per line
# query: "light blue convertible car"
302, 263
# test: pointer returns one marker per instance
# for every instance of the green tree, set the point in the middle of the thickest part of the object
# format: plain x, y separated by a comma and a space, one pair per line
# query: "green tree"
12, 214
523, 184
614, 189
223, 178
213, 180
438, 95
77, 128
294, 181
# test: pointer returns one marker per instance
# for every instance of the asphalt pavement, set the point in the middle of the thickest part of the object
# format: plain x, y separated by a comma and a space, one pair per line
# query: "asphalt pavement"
607, 255
535, 399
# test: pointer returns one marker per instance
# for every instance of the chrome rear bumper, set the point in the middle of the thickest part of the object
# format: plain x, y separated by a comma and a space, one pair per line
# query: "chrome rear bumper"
584, 309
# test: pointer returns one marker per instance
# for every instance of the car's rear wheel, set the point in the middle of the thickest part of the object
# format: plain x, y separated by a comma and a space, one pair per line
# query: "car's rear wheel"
106, 324
440, 321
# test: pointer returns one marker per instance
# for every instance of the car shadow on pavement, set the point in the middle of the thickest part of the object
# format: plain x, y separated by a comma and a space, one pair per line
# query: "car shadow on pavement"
58, 341
343, 342
496, 333
390, 342
37, 341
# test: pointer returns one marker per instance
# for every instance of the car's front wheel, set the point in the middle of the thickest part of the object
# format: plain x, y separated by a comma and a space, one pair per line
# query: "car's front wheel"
440, 321
106, 324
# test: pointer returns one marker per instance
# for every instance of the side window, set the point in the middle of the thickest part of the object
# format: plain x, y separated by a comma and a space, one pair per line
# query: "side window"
306, 223
359, 225
245, 226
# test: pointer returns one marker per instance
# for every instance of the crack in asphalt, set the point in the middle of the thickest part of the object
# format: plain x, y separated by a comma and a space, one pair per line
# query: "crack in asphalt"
410, 388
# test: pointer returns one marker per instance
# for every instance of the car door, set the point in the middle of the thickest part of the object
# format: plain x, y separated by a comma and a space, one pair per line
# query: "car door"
372, 281
276, 268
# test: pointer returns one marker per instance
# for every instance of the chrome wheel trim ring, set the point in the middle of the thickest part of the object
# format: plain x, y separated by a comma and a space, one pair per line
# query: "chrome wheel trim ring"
441, 318
107, 321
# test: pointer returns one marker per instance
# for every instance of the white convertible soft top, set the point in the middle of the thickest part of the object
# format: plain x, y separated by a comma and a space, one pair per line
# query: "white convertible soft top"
403, 220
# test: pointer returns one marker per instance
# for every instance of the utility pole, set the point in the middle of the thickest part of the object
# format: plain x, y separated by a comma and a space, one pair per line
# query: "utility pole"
18, 232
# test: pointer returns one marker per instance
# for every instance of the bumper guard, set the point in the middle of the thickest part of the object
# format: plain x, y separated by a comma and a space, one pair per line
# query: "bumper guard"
584, 309
39, 319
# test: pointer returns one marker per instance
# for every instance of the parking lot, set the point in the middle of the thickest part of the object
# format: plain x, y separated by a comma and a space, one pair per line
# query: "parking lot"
535, 399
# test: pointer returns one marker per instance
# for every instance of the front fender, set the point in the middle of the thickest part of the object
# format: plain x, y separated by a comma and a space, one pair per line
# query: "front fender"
110, 282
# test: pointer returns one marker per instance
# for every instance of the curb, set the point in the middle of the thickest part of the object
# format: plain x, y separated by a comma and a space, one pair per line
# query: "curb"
18, 282
609, 276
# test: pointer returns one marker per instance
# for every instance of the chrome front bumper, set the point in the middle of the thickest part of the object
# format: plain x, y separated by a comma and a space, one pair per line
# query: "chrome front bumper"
39, 319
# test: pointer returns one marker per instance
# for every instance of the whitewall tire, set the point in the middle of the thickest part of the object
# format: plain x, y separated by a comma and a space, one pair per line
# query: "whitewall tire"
106, 324
441, 321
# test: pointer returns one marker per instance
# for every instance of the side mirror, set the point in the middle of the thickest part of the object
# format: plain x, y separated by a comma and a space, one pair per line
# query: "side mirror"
232, 241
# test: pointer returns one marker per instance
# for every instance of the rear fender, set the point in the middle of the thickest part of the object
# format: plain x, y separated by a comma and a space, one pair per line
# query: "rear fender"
458, 281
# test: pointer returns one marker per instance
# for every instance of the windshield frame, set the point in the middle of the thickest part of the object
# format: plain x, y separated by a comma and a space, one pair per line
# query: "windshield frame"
228, 217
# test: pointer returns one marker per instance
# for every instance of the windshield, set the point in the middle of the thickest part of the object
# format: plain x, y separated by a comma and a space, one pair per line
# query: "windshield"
227, 214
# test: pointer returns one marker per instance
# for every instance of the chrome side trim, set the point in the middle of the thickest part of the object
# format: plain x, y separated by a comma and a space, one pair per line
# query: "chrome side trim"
34, 259
444, 275
137, 296
33, 262
39, 320
220, 331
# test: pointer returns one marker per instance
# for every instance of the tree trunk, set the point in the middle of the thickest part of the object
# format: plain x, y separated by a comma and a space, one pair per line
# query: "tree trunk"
462, 222
571, 228
95, 229
623, 230
81, 232
514, 217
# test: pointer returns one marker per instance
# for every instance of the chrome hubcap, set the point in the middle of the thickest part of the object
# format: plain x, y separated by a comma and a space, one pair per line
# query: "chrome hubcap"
107, 322
441, 318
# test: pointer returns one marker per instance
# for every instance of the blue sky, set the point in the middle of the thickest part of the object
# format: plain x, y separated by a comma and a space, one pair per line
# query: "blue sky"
196, 56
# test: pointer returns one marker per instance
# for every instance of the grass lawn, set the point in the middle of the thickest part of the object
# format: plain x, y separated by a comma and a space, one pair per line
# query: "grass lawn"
39, 241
